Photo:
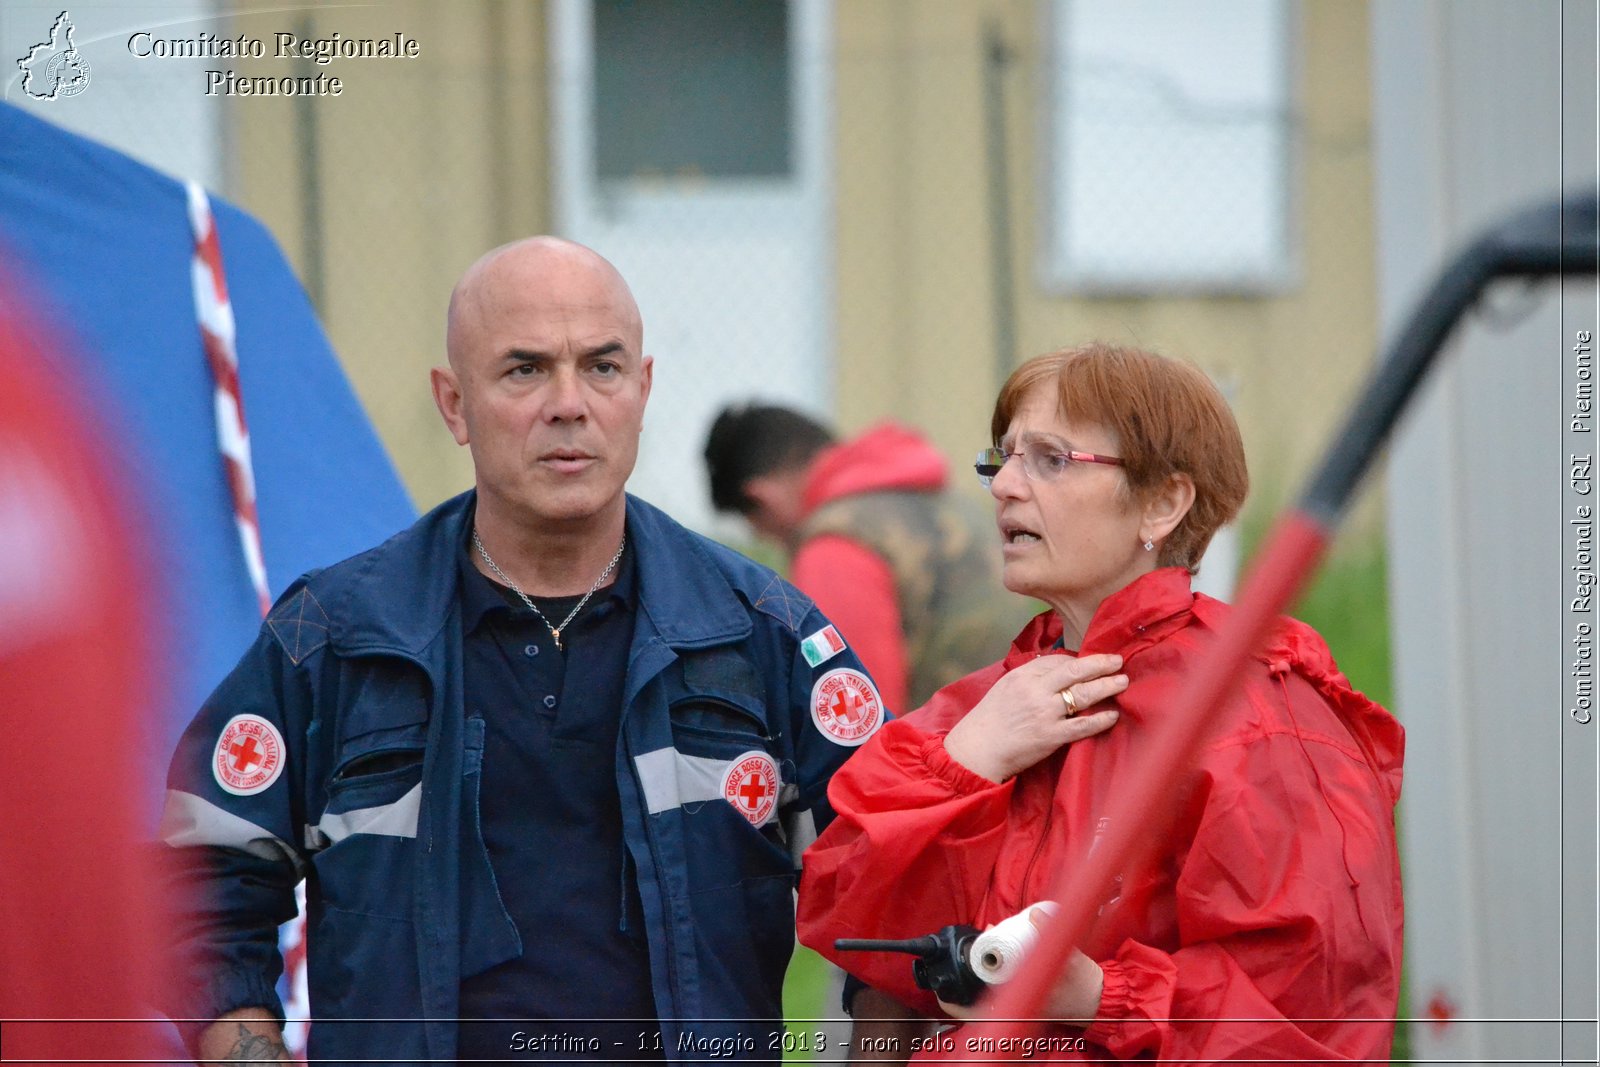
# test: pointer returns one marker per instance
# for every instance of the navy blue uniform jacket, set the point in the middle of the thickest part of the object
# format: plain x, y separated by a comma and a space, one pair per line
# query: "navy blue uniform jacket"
371, 795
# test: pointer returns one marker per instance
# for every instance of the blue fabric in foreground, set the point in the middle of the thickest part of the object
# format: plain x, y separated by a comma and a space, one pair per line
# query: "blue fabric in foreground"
104, 246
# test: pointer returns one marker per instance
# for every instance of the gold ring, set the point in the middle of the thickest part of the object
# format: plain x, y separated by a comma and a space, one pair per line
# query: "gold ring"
1070, 701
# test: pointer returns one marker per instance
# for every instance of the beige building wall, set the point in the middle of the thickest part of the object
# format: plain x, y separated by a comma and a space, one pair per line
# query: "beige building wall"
916, 295
420, 165
414, 170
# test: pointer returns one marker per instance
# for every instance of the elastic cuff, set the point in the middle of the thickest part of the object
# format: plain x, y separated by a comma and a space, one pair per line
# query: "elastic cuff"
959, 778
250, 995
1116, 1000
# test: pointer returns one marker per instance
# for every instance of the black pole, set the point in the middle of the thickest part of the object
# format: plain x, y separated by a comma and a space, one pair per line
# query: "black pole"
1542, 242
309, 137
996, 58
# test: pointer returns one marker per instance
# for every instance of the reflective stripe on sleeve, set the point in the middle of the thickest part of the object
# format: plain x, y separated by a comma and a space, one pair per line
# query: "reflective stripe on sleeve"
800, 829
398, 819
188, 820
670, 779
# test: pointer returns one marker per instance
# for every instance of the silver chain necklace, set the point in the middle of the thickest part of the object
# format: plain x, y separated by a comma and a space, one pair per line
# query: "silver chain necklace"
555, 631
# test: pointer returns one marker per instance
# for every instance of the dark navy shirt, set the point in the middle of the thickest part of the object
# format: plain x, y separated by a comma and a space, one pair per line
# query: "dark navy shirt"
551, 819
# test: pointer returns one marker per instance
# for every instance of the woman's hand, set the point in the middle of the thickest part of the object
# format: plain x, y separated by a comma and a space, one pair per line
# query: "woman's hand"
1024, 717
1075, 1001
1076, 998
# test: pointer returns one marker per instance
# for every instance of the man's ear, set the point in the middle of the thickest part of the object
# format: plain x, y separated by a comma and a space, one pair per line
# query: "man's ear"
447, 396
765, 490
778, 496
647, 368
1166, 506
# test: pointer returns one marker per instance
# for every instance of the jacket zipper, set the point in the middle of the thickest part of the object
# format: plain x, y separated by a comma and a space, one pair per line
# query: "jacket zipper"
1038, 850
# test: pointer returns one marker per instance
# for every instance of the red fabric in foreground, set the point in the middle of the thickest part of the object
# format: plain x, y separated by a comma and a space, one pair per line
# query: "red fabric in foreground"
79, 935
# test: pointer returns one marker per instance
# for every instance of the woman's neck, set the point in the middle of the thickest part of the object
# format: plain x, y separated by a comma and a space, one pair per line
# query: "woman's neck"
1074, 624
1077, 612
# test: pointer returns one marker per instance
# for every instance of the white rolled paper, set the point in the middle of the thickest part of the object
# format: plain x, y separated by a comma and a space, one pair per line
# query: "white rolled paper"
997, 952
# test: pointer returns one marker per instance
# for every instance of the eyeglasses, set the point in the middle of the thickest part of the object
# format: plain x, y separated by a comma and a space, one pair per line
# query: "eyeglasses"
1040, 462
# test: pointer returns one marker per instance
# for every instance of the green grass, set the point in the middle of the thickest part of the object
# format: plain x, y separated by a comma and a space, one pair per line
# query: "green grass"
1348, 604
805, 998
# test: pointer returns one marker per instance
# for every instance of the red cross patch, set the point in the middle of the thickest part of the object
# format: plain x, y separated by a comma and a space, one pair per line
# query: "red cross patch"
1441, 1012
846, 706
751, 786
249, 755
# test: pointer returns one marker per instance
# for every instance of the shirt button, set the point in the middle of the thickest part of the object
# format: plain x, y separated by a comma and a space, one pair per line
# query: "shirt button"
550, 701
530, 650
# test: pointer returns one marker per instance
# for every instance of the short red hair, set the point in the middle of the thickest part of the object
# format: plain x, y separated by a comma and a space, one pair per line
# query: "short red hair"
1168, 419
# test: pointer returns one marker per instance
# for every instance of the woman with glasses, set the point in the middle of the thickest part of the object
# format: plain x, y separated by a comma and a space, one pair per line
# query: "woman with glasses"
1271, 927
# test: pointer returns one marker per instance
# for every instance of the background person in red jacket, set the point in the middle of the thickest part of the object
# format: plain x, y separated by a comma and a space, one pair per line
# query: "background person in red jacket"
1270, 927
907, 570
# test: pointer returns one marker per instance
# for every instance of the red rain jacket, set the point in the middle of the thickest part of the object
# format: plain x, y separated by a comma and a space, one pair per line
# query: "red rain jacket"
850, 584
1275, 905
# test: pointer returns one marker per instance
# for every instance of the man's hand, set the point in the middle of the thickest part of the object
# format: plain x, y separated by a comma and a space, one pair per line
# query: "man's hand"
249, 1035
1024, 717
882, 1029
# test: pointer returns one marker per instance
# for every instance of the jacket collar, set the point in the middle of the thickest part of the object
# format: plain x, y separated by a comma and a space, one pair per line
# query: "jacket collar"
886, 458
684, 593
397, 597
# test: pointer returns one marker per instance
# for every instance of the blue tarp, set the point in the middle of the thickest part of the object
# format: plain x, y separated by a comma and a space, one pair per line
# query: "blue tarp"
104, 244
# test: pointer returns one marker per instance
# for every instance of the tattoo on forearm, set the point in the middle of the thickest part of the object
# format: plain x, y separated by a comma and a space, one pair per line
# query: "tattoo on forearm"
251, 1047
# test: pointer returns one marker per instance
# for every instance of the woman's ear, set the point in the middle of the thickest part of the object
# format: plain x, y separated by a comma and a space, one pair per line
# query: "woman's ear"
1166, 506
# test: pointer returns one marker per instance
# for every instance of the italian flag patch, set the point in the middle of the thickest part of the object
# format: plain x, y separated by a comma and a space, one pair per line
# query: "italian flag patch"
822, 646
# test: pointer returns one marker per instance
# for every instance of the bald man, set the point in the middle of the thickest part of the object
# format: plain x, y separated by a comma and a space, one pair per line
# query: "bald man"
544, 760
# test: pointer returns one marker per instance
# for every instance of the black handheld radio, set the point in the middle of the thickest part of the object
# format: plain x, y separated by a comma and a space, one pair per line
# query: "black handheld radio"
941, 964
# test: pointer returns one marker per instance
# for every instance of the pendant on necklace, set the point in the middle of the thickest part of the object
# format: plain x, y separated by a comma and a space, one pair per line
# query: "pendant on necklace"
557, 635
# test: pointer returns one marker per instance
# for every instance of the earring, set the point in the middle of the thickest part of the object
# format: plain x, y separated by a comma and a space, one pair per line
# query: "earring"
1149, 545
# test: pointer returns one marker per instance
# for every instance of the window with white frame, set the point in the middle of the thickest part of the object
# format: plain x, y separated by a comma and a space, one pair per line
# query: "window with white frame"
1169, 146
